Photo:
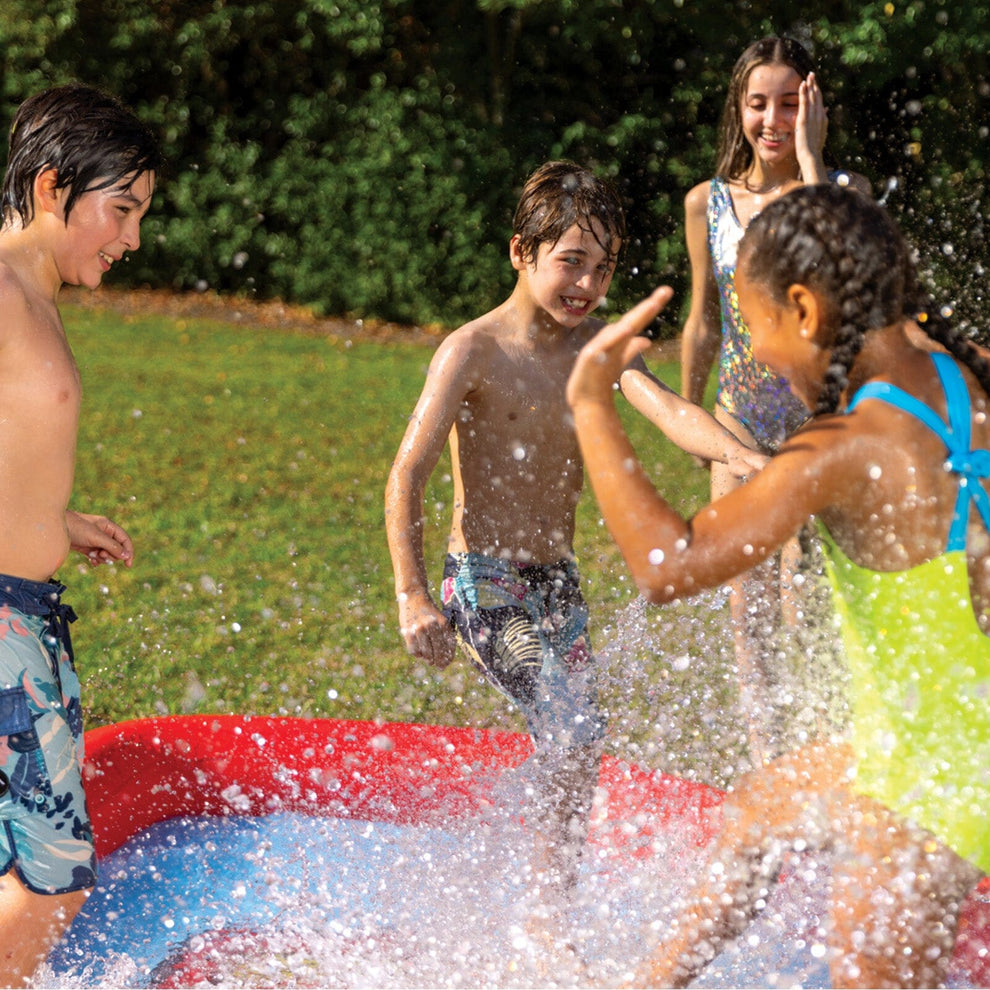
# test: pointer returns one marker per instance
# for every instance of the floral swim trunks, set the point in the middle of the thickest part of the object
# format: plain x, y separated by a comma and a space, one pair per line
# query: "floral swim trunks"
45, 832
525, 627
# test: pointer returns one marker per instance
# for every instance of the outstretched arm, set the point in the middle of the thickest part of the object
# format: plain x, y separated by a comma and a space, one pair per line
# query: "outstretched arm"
667, 555
689, 426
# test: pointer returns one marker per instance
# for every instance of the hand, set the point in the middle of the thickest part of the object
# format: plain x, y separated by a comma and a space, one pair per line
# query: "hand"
98, 539
743, 461
426, 631
811, 126
603, 359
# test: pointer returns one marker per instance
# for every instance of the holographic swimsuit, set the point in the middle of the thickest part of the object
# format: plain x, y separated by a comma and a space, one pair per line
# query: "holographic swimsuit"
758, 397
919, 664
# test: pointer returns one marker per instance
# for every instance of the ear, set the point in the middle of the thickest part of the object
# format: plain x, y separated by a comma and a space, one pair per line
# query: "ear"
47, 195
808, 308
519, 262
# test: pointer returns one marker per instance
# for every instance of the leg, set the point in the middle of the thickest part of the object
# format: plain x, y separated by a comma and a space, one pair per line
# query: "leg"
786, 800
759, 601
895, 903
754, 608
46, 837
565, 790
30, 924
568, 786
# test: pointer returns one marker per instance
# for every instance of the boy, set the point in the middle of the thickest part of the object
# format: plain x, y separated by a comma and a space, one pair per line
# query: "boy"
496, 389
80, 176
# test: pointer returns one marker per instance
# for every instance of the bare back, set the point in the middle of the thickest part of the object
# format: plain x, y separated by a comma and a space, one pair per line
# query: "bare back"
518, 472
39, 413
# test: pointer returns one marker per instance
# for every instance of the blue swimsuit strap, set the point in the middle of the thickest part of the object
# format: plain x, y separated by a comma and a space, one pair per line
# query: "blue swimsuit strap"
970, 465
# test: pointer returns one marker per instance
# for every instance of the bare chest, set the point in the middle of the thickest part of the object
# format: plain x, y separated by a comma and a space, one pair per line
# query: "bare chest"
39, 376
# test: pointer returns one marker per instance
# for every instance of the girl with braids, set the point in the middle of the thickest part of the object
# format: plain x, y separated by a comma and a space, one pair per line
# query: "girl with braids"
894, 466
771, 140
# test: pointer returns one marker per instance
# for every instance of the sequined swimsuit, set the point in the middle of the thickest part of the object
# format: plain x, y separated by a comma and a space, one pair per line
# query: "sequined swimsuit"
758, 397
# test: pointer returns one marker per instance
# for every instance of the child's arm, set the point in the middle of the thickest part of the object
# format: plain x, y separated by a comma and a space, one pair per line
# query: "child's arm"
702, 334
668, 555
689, 426
424, 627
811, 128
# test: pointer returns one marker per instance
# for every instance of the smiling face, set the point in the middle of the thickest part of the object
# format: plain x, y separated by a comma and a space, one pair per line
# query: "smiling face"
769, 112
102, 226
568, 279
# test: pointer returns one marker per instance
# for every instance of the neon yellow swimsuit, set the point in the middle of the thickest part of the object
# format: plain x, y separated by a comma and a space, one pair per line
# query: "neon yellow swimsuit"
920, 668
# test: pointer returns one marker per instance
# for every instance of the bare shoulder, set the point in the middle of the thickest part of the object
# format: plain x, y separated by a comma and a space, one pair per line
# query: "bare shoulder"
466, 352
12, 291
696, 200
19, 314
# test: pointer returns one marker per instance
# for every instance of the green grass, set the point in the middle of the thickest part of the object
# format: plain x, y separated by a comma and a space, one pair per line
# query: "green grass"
249, 467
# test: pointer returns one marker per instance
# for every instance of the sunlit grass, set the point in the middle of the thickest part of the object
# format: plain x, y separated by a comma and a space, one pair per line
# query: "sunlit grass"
249, 467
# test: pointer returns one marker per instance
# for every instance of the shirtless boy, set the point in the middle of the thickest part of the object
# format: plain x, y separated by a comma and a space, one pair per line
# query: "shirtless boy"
80, 176
496, 390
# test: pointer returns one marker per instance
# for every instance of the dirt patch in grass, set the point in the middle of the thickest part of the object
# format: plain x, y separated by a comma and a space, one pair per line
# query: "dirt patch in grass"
274, 315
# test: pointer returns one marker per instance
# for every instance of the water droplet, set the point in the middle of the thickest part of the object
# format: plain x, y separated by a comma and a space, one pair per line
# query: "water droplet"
656, 557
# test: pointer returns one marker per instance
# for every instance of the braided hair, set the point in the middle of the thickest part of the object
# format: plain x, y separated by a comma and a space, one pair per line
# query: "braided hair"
846, 247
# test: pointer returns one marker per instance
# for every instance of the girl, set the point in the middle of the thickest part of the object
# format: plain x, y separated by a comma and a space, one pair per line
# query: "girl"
771, 140
894, 465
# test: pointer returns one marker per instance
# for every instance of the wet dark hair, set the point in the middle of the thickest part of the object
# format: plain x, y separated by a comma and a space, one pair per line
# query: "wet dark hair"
559, 195
847, 248
89, 138
734, 152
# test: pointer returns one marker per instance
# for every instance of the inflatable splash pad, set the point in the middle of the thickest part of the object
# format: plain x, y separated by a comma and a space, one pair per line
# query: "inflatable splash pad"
248, 851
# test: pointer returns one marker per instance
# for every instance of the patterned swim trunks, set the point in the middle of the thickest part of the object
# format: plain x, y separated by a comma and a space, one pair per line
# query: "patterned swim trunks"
45, 832
525, 628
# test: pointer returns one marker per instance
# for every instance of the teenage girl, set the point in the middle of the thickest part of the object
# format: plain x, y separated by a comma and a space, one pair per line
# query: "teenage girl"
894, 465
771, 140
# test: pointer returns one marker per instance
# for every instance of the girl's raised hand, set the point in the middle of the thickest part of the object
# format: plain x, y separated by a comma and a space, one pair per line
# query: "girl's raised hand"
603, 359
811, 126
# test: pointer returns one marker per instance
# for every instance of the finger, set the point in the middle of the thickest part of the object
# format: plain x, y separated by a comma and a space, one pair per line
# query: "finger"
634, 321
647, 310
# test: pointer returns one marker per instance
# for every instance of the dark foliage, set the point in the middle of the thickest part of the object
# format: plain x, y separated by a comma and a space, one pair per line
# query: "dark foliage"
363, 156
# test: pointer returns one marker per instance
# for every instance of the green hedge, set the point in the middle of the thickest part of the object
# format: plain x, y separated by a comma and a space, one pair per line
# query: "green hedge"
364, 156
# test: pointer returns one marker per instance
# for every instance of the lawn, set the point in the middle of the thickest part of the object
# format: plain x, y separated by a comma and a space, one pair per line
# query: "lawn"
249, 467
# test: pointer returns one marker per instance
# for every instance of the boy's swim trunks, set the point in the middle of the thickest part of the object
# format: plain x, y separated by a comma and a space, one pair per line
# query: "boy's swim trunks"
525, 627
45, 833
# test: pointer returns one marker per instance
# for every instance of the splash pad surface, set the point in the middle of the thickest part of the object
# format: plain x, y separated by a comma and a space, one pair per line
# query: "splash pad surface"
242, 851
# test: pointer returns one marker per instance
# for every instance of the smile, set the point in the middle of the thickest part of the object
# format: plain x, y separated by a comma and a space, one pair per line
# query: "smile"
572, 303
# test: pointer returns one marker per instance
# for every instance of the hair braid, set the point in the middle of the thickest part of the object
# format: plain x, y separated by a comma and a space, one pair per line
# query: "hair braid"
954, 340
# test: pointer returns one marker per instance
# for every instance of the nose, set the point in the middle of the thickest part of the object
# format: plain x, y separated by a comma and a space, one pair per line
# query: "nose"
131, 234
771, 114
